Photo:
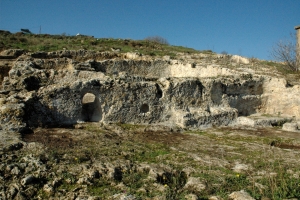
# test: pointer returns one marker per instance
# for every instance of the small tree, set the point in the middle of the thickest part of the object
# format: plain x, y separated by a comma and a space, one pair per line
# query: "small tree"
285, 51
157, 39
224, 52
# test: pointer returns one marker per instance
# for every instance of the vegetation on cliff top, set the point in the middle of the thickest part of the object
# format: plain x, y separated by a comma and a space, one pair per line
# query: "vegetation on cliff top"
152, 46
46, 42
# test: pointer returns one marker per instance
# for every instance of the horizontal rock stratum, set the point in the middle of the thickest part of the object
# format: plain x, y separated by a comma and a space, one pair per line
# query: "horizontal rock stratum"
67, 87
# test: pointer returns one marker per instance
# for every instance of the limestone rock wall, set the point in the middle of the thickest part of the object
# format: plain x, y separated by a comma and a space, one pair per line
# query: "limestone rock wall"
280, 99
122, 100
63, 88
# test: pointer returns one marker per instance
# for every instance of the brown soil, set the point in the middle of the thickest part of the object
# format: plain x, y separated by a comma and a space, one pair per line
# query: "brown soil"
64, 137
69, 137
51, 138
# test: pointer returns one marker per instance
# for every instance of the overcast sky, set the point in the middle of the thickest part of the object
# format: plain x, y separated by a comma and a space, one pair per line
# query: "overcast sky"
245, 27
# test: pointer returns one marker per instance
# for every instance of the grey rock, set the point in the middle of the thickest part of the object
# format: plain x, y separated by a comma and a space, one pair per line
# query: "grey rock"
94, 198
15, 171
48, 188
123, 197
11, 53
12, 192
240, 195
27, 180
239, 167
214, 198
191, 197
261, 121
194, 184
291, 127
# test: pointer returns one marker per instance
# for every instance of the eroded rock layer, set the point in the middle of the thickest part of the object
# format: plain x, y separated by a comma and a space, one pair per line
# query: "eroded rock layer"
66, 87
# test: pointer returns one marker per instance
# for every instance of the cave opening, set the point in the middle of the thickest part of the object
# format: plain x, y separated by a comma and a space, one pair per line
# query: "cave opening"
159, 92
144, 108
91, 108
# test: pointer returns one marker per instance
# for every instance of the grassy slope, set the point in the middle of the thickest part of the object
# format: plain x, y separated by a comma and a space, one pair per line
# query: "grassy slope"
45, 42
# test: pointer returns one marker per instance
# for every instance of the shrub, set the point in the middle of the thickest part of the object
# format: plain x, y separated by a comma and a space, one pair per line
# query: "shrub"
157, 39
285, 51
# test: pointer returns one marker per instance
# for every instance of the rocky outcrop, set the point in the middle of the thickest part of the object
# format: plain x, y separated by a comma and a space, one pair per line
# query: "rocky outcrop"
280, 98
49, 89
240, 195
11, 53
295, 127
7, 59
240, 59
57, 89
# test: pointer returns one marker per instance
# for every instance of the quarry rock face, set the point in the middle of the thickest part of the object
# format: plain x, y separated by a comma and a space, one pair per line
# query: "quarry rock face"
67, 87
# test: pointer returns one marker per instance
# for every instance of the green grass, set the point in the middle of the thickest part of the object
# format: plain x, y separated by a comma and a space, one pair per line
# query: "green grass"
131, 127
45, 42
279, 186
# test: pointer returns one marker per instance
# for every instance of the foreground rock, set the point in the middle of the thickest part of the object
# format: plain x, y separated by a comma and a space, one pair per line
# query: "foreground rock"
140, 162
240, 195
291, 127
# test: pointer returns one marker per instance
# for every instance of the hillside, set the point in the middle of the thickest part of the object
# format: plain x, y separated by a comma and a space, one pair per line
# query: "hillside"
48, 43
88, 118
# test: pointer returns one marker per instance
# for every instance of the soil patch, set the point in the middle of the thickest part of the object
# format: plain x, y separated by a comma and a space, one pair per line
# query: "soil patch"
53, 137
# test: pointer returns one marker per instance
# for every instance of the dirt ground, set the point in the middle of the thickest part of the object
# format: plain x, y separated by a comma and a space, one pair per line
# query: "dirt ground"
70, 137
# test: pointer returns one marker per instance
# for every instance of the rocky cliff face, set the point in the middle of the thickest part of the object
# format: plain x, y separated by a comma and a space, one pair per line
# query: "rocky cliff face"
66, 87
155, 157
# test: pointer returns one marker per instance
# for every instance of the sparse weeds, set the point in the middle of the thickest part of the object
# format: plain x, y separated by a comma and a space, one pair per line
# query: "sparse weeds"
152, 164
231, 183
92, 127
268, 175
267, 115
275, 181
131, 127
68, 178
174, 182
151, 153
103, 189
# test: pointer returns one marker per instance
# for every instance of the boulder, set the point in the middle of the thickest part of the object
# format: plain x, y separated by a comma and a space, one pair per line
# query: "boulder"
194, 184
11, 53
239, 59
291, 127
240, 195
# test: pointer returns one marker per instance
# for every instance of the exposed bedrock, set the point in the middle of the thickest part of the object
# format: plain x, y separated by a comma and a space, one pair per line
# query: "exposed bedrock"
68, 91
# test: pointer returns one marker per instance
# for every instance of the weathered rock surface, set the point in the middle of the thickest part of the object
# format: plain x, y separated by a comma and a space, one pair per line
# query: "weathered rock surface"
49, 88
55, 89
291, 127
262, 121
240, 195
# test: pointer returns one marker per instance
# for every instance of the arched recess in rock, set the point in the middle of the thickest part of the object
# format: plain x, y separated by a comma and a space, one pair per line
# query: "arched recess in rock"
91, 108
159, 92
